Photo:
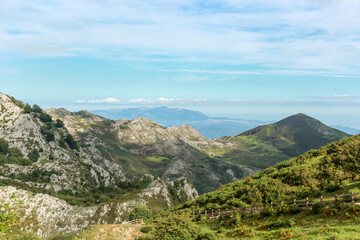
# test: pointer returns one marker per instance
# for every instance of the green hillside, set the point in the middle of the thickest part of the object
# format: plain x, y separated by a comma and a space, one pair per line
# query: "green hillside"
333, 168
267, 145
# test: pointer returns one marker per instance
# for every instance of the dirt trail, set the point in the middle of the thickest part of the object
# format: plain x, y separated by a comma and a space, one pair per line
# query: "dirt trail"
112, 232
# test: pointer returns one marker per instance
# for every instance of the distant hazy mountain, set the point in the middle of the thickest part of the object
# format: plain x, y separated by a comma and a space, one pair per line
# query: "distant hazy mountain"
168, 117
348, 130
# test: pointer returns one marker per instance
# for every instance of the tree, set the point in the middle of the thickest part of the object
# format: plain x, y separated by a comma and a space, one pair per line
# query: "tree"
49, 136
7, 215
4, 146
140, 212
36, 109
59, 123
44, 117
27, 108
34, 155
71, 142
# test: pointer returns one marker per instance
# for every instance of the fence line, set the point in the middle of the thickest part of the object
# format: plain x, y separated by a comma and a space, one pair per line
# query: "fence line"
304, 203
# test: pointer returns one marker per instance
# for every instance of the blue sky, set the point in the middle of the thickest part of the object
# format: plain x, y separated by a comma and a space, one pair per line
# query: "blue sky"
260, 59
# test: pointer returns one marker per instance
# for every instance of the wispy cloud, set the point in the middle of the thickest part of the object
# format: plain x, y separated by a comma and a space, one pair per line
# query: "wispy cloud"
106, 100
291, 35
163, 100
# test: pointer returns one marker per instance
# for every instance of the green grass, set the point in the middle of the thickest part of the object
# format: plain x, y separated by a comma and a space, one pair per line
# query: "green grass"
304, 226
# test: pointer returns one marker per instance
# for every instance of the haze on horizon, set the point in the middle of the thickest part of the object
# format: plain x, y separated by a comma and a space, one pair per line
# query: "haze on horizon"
259, 59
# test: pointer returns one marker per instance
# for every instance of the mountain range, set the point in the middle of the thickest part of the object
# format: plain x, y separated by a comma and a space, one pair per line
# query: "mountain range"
102, 168
209, 127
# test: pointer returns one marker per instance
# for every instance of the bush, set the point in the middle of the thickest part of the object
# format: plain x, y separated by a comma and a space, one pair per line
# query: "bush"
27, 236
332, 187
317, 208
44, 117
140, 212
62, 143
49, 136
27, 108
4, 146
7, 216
242, 231
280, 223
294, 209
267, 211
36, 109
19, 161
15, 152
282, 209
146, 229
175, 227
206, 236
71, 142
59, 123
34, 155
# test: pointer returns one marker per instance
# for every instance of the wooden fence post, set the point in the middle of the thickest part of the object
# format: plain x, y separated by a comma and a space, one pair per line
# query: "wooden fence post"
194, 214
336, 199
307, 203
272, 205
294, 201
234, 212
205, 213
321, 199
219, 213
353, 198
212, 213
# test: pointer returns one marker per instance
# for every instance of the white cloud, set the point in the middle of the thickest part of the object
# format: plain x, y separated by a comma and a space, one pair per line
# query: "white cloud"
139, 100
300, 35
165, 100
106, 100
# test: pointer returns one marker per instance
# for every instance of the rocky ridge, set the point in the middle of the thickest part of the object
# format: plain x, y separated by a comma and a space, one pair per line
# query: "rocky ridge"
47, 216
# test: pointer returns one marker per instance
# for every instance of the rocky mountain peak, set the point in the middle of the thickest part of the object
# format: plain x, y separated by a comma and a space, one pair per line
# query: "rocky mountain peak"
9, 110
59, 111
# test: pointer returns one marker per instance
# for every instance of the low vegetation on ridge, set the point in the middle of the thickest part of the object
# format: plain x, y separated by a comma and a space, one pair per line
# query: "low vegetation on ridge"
333, 168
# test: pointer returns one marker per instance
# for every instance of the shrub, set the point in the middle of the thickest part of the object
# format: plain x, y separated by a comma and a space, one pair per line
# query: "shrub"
317, 208
146, 229
62, 143
282, 209
19, 161
59, 123
140, 212
4, 146
206, 236
49, 136
36, 109
267, 211
280, 223
44, 117
27, 236
71, 142
7, 215
294, 209
242, 231
175, 227
332, 187
34, 155
15, 152
27, 108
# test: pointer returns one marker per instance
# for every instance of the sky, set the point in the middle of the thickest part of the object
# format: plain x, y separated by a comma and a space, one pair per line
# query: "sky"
250, 59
